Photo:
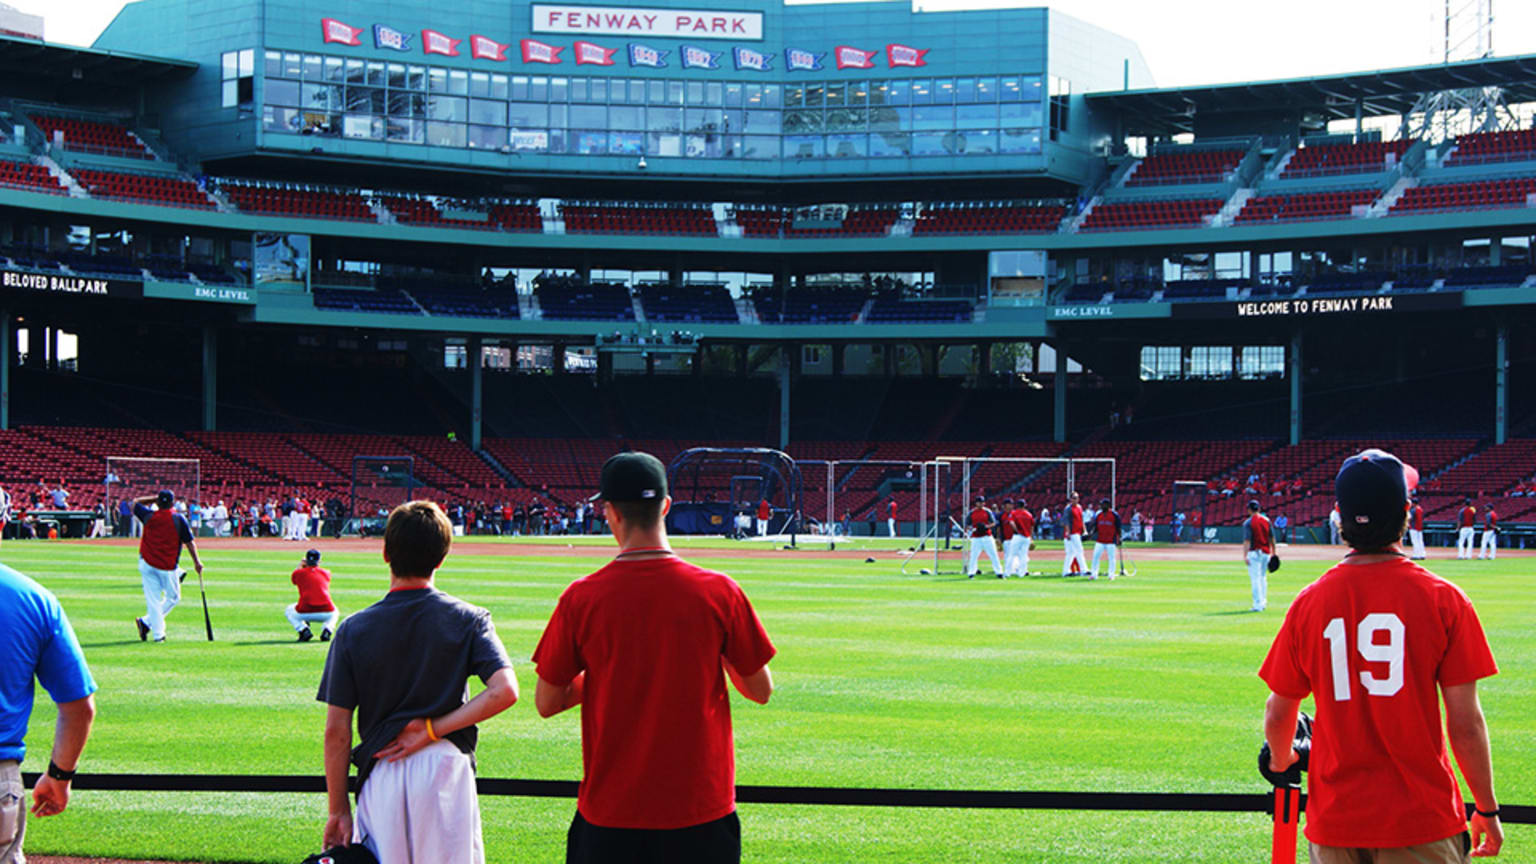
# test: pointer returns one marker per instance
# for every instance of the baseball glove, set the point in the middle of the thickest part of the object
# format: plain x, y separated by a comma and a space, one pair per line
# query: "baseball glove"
1303, 744
1031, 545
357, 853
1274, 562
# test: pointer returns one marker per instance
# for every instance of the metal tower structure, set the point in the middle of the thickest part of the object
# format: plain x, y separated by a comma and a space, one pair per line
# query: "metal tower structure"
1467, 35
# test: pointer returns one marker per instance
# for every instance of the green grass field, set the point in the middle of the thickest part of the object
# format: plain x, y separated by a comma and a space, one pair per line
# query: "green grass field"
1140, 685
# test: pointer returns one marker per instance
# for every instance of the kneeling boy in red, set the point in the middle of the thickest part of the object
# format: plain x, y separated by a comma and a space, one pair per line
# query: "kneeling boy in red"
314, 606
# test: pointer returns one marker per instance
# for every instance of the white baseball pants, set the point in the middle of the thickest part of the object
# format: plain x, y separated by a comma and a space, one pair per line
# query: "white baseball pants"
1073, 547
1016, 556
421, 809
1416, 539
1111, 552
1258, 578
300, 620
1147, 531
979, 545
162, 591
1464, 543
1490, 547
891, 524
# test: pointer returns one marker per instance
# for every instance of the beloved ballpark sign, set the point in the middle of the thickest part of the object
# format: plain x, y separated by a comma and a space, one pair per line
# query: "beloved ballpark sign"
641, 21
76, 286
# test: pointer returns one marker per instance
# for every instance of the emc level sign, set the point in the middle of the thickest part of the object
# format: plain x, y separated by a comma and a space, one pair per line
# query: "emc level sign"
641, 21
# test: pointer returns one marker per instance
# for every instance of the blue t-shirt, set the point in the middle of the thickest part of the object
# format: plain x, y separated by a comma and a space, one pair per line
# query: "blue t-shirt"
38, 642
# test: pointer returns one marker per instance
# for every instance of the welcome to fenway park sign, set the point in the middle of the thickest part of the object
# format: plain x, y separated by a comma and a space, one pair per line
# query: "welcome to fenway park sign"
57, 284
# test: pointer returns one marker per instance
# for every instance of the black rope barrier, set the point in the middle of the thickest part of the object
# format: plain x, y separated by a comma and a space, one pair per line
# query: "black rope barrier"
997, 799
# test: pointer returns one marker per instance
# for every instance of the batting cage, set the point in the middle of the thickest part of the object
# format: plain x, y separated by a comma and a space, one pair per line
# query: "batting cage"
841, 494
720, 490
379, 483
130, 477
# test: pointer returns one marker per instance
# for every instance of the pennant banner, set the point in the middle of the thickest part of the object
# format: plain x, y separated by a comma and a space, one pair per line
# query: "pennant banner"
645, 55
433, 42
800, 60
486, 48
535, 51
389, 37
592, 54
699, 58
905, 55
335, 31
748, 60
854, 58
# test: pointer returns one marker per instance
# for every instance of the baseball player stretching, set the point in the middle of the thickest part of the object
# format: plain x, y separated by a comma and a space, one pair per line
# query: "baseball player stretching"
165, 532
315, 605
982, 521
1490, 547
1072, 532
1016, 553
1106, 539
1416, 530
1468, 522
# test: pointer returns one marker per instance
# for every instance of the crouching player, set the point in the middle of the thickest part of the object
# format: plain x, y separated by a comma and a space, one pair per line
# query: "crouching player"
403, 666
314, 606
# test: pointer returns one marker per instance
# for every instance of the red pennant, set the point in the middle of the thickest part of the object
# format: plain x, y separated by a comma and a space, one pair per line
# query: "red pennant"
905, 55
486, 48
335, 31
854, 58
535, 51
591, 54
433, 42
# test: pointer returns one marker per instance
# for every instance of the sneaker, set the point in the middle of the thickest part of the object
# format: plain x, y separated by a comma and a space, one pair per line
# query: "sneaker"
161, 639
1001, 576
143, 629
305, 635
325, 634
971, 576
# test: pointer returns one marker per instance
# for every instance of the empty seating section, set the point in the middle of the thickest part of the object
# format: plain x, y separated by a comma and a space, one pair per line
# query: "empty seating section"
810, 306
1510, 191
1191, 289
1323, 159
387, 300
568, 299
1309, 205
517, 217
889, 309
468, 302
688, 303
873, 221
29, 175
90, 135
1494, 147
758, 222
1351, 283
422, 211
158, 189
691, 220
967, 219
1199, 166
1131, 215
291, 201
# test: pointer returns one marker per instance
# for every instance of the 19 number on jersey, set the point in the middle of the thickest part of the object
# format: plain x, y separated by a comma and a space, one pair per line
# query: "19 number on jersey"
1390, 653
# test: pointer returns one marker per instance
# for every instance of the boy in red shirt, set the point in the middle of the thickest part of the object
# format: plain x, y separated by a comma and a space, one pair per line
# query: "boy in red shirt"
645, 645
314, 606
1372, 640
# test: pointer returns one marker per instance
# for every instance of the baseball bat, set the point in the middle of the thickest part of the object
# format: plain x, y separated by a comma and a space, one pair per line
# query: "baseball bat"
207, 622
1287, 810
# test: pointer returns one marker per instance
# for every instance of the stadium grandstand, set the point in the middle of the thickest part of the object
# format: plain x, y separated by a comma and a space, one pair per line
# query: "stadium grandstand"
506, 246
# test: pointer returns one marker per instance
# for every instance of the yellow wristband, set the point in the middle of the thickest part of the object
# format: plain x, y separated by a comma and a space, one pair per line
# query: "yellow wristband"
430, 734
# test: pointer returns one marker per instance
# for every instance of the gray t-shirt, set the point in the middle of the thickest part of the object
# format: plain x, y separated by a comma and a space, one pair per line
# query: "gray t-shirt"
409, 655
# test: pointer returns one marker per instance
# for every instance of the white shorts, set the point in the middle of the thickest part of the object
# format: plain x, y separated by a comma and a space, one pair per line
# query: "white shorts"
421, 809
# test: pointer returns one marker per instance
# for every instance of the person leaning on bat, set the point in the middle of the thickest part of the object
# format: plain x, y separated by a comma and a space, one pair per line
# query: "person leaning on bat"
165, 532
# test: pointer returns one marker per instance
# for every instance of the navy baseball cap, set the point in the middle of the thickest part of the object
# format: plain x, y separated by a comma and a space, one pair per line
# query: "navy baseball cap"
632, 476
1373, 486
312, 557
165, 498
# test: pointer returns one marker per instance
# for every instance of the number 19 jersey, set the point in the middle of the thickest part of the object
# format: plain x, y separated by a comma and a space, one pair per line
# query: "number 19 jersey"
1373, 642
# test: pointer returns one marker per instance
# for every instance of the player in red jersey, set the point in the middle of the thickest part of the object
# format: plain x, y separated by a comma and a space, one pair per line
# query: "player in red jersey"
1372, 640
1490, 547
980, 522
165, 532
890, 516
1072, 533
1106, 538
1016, 554
764, 513
1466, 520
314, 606
1416, 529
1258, 546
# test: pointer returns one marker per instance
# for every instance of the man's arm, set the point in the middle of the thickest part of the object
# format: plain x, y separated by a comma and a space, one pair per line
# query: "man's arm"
338, 758
551, 699
758, 686
1468, 732
196, 562
50, 796
500, 693
1280, 730
146, 499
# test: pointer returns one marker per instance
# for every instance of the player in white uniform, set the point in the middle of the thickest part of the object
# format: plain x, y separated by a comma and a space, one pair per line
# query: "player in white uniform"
1072, 531
981, 522
1016, 554
1416, 530
5, 508
1467, 520
1490, 547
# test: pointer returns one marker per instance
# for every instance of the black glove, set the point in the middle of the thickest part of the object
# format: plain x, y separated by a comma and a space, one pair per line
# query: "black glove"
1303, 744
1274, 562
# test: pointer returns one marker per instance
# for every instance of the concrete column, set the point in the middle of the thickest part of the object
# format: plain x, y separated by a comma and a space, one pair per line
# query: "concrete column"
210, 379
984, 359
888, 356
476, 392
7, 348
784, 398
557, 358
1295, 372
741, 360
838, 350
1501, 386
1060, 414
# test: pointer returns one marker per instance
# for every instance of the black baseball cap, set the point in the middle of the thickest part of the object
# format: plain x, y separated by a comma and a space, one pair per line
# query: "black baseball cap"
1373, 486
632, 476
312, 557
165, 498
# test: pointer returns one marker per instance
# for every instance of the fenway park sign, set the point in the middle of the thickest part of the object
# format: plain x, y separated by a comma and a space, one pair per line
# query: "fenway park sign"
641, 21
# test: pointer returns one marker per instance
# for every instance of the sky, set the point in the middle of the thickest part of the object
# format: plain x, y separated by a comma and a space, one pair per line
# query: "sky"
1185, 42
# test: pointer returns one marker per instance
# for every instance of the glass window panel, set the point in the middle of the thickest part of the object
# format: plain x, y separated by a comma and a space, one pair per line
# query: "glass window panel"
597, 91
479, 84
589, 117
443, 108
933, 117
899, 93
313, 67
1033, 89
803, 147
230, 94
293, 65
704, 120
858, 93
714, 94
846, 146
836, 95
458, 83
733, 121
315, 96
396, 76
675, 95
280, 92
965, 90
976, 117
884, 144
488, 112
771, 96
499, 88
845, 119
627, 117
589, 142
1020, 140
763, 122
664, 144
704, 146
977, 141
334, 69
890, 119
657, 92
229, 65
561, 141
405, 105
794, 95
626, 143
664, 119
437, 80
1022, 114
637, 92
364, 126
529, 139
879, 92
405, 130
754, 95
802, 121
922, 92
377, 74
415, 78
759, 147
360, 99
815, 95
943, 91
487, 137
277, 119
445, 134
930, 144
528, 115
986, 89
559, 89
354, 73
578, 89
1010, 88
695, 93
618, 92
557, 116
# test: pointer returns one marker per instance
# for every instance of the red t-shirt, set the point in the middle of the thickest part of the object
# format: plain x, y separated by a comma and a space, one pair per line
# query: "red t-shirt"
314, 589
1379, 776
1490, 519
981, 519
1261, 536
1023, 522
764, 511
891, 509
1107, 527
1005, 525
1075, 519
656, 740
1468, 516
1418, 518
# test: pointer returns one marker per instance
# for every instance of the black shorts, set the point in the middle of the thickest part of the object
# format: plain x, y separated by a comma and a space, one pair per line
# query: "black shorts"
717, 842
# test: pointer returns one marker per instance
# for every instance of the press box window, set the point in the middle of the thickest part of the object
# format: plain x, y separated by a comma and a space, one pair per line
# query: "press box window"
238, 72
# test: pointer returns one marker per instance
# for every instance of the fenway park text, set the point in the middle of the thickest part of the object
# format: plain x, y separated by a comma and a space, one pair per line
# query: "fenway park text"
1324, 306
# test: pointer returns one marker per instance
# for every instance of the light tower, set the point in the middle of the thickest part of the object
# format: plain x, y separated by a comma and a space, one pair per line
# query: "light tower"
1467, 34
